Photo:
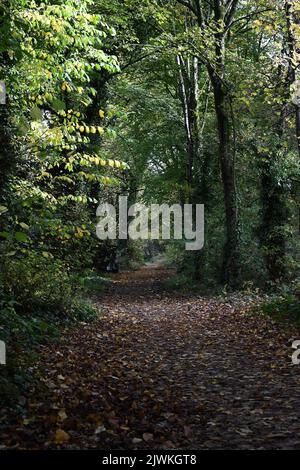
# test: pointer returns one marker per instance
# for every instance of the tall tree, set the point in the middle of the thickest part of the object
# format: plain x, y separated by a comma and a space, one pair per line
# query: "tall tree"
217, 19
292, 12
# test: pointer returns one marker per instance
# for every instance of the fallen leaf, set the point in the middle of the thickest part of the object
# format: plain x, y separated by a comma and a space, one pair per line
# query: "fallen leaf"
62, 415
137, 440
61, 436
148, 437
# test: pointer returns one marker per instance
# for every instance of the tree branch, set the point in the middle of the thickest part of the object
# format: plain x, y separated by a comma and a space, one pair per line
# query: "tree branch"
188, 5
199, 10
248, 17
231, 11
135, 61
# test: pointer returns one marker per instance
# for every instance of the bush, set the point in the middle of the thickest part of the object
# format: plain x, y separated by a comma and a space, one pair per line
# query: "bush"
175, 255
286, 308
37, 298
37, 294
181, 282
82, 310
133, 256
284, 305
36, 283
94, 284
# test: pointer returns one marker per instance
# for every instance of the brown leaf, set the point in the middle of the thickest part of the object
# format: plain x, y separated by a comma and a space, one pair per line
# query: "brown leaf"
188, 431
148, 437
61, 436
168, 445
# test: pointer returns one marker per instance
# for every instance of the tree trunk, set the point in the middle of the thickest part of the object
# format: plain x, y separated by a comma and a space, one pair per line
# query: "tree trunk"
231, 260
274, 217
189, 96
275, 211
7, 157
231, 264
293, 19
223, 14
6, 153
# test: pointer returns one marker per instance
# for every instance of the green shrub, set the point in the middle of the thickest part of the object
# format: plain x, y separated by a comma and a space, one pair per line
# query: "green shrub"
94, 284
36, 283
82, 310
133, 257
37, 297
18, 329
284, 305
181, 282
175, 255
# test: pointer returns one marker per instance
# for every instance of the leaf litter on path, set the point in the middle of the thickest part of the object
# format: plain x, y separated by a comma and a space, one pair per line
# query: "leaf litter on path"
162, 370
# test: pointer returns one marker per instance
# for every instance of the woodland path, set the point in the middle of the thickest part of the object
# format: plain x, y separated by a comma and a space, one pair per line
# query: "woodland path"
162, 370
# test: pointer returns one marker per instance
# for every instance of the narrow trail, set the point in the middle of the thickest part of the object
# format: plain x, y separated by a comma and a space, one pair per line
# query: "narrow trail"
161, 370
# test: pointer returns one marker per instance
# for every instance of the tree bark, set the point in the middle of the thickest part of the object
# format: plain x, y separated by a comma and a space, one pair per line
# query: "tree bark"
6, 148
294, 49
274, 217
223, 14
231, 259
6, 151
231, 265
189, 95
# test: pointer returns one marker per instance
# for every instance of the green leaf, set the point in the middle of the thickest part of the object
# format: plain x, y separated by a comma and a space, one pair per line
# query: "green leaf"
4, 235
36, 114
24, 226
3, 209
21, 237
10, 253
58, 105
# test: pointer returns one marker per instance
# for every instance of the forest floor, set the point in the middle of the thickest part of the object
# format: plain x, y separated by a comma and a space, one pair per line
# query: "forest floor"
162, 370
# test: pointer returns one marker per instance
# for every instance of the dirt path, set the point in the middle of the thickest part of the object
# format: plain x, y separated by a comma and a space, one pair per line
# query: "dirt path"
161, 370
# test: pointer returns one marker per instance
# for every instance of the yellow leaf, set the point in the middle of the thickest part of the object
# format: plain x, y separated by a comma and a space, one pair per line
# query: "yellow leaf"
79, 233
61, 436
101, 113
62, 415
